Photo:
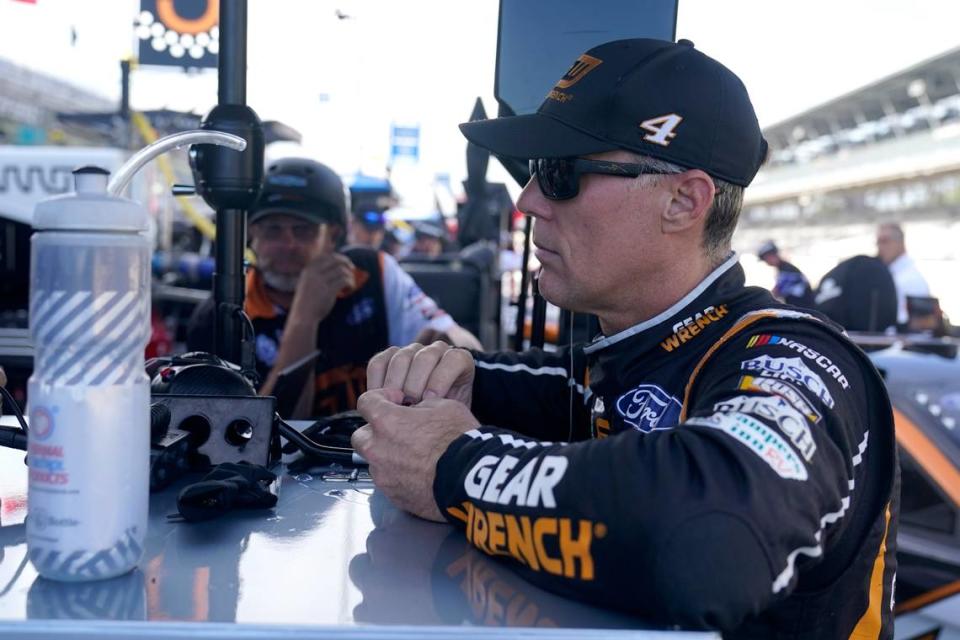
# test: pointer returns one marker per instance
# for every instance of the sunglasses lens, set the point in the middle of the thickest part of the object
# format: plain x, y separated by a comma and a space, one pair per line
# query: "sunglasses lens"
556, 177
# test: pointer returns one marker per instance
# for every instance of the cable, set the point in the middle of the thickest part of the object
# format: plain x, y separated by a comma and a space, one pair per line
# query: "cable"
573, 377
343, 455
249, 323
16, 575
13, 438
16, 409
248, 358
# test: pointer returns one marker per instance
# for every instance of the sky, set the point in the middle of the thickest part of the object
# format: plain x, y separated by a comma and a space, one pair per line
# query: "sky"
343, 82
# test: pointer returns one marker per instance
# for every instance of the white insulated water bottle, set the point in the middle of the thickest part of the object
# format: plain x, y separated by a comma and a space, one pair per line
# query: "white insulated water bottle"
89, 397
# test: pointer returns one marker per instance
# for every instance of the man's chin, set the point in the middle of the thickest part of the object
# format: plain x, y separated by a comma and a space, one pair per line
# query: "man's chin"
281, 281
560, 293
551, 287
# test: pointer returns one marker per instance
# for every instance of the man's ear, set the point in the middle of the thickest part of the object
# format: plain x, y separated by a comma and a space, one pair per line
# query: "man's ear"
335, 234
691, 200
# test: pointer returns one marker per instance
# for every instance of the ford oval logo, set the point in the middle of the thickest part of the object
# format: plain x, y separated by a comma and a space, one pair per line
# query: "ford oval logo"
649, 407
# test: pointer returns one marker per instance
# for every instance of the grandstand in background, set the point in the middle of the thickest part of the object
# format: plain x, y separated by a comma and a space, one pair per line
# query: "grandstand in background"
888, 151
30, 102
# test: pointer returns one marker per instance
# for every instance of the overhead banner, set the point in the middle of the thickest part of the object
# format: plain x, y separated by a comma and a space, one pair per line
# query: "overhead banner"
404, 142
178, 33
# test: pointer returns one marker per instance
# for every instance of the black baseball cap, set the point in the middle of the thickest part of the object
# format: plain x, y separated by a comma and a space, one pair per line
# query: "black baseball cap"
302, 188
661, 99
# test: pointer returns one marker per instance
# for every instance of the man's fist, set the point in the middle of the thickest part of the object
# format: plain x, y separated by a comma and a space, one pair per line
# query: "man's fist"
403, 444
424, 373
325, 276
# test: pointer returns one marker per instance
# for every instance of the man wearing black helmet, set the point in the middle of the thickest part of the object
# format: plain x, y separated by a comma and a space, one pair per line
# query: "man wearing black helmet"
305, 294
713, 459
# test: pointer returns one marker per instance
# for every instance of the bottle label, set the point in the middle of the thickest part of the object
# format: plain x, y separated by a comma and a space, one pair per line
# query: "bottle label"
88, 453
46, 460
89, 565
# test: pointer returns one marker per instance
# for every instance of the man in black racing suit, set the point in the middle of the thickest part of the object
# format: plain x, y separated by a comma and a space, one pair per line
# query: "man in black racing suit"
714, 459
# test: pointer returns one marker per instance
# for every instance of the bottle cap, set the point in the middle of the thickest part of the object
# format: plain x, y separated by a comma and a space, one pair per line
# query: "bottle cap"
90, 179
90, 207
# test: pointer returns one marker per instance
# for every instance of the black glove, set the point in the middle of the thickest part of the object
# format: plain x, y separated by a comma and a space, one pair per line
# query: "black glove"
227, 486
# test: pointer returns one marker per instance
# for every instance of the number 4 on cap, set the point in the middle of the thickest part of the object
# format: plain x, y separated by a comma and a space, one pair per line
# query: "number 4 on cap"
661, 128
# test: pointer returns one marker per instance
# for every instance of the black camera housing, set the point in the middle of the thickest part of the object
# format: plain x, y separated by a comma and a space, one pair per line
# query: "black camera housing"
224, 178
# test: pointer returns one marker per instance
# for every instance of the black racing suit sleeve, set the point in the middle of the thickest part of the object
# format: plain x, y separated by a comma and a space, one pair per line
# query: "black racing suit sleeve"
702, 525
533, 393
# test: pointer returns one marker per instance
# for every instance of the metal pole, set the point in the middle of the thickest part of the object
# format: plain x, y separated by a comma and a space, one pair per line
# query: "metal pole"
538, 319
228, 279
524, 283
232, 61
125, 103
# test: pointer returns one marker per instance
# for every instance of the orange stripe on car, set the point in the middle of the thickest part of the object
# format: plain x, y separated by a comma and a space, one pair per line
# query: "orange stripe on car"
929, 597
936, 465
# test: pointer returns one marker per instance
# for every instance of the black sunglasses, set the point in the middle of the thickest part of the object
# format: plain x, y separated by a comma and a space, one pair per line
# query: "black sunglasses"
559, 178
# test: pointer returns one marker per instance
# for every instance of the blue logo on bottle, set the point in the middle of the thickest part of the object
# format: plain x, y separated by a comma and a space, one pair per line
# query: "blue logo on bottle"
41, 423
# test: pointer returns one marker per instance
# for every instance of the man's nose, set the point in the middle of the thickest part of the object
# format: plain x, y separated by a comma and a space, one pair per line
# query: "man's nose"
532, 201
287, 237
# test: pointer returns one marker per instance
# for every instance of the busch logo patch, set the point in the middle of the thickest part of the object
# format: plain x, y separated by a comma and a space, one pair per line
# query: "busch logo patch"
790, 370
785, 391
776, 410
649, 407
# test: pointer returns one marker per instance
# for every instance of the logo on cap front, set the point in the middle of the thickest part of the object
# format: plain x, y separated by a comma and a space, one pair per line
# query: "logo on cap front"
584, 65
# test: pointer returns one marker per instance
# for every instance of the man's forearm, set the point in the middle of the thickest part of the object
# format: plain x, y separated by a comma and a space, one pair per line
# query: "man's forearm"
615, 522
532, 393
299, 339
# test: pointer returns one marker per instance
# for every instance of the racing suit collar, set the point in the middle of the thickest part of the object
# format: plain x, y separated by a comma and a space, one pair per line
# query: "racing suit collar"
730, 268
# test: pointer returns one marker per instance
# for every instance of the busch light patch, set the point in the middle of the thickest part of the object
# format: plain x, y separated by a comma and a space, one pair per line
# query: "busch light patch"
648, 407
792, 370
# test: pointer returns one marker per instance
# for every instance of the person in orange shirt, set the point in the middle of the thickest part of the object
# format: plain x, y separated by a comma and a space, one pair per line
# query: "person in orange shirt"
307, 293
